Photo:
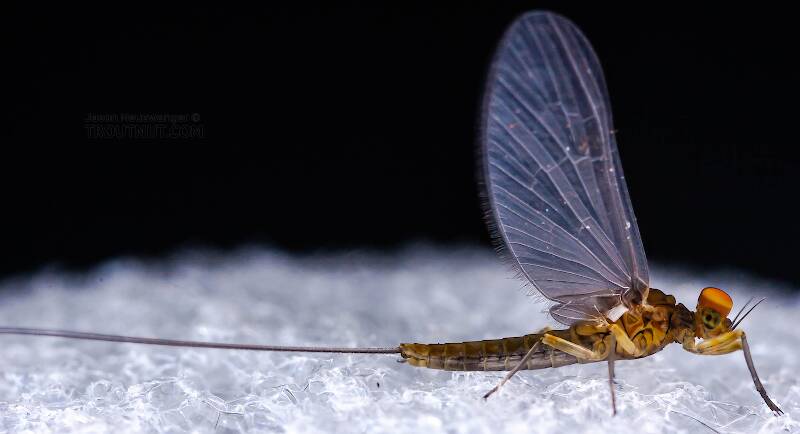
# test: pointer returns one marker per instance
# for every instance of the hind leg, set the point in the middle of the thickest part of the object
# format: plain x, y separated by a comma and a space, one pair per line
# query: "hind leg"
573, 349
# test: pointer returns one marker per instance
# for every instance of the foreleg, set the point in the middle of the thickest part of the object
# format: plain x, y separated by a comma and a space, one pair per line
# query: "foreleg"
728, 343
723, 344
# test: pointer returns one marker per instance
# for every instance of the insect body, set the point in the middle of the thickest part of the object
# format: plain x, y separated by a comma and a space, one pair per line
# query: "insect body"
560, 212
645, 331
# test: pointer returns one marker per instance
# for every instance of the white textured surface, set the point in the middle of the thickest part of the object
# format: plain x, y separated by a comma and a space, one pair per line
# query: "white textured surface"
423, 295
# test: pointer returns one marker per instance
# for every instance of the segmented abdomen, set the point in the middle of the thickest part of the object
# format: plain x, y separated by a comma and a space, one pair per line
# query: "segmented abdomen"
489, 355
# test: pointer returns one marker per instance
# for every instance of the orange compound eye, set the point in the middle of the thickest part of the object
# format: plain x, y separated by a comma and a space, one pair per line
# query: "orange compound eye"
717, 299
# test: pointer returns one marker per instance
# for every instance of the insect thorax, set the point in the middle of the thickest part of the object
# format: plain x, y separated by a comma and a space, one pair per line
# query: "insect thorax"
660, 322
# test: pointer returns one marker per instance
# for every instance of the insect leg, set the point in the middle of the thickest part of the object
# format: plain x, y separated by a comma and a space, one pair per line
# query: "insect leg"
571, 348
516, 369
759, 387
582, 353
620, 336
611, 357
728, 343
722, 344
624, 341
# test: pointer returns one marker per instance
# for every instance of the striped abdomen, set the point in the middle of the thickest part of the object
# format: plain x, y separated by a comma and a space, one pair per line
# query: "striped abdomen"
490, 355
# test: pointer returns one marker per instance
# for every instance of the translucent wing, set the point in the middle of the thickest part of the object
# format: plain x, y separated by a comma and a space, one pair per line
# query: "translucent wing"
557, 196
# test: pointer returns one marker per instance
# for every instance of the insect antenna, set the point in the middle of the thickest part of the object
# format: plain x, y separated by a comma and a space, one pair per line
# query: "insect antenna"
748, 313
744, 306
193, 344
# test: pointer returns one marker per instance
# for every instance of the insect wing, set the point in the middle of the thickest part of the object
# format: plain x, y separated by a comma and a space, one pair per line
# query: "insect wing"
557, 197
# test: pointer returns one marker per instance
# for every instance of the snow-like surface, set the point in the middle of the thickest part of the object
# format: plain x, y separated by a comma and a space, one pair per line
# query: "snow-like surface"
361, 299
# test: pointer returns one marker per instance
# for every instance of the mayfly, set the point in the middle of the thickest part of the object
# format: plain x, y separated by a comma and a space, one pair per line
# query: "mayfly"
559, 209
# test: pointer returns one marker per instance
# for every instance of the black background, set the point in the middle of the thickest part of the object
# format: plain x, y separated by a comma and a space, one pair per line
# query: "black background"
329, 128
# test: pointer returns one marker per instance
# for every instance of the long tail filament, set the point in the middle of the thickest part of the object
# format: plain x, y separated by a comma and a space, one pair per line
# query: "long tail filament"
194, 344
